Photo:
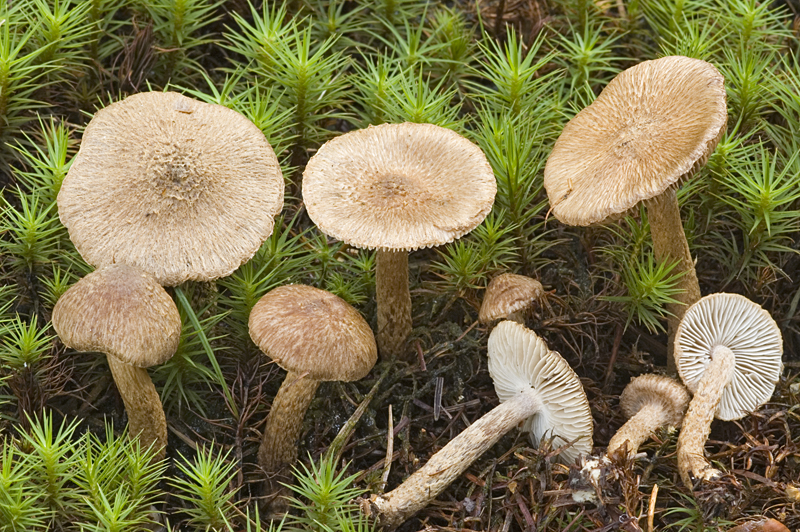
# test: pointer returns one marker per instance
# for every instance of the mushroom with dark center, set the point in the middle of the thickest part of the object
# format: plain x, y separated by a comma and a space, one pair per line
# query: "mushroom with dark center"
123, 312
182, 189
397, 188
652, 128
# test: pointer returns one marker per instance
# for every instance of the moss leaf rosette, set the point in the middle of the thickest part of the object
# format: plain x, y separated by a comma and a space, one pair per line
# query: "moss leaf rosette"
180, 188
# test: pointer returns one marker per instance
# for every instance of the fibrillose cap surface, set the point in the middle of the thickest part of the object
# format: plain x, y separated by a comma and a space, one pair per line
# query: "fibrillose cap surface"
308, 330
652, 127
121, 311
508, 293
398, 187
520, 360
180, 188
733, 321
671, 396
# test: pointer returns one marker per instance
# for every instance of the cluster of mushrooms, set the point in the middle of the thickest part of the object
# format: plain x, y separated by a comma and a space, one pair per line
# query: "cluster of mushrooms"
167, 189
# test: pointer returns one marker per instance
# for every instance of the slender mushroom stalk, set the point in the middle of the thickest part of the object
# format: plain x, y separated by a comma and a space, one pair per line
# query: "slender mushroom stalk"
397, 188
509, 296
394, 302
450, 461
650, 402
652, 128
536, 387
697, 423
285, 421
315, 336
728, 351
123, 312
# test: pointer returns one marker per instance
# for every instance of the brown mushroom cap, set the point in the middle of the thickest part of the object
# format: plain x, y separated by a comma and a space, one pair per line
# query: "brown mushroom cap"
398, 187
121, 311
735, 322
180, 188
671, 397
308, 330
652, 127
508, 293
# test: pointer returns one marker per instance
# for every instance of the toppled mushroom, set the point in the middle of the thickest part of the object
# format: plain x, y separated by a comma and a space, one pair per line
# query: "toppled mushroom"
649, 402
508, 296
536, 387
728, 351
397, 188
315, 336
180, 188
123, 312
652, 128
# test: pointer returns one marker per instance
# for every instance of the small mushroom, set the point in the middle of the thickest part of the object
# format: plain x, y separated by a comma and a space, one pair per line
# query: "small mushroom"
123, 312
649, 402
509, 296
397, 188
728, 351
315, 336
536, 387
652, 128
180, 188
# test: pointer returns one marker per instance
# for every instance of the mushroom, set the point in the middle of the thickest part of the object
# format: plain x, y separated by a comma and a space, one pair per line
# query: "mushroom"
649, 402
728, 351
508, 296
652, 128
180, 188
397, 188
123, 312
315, 336
536, 387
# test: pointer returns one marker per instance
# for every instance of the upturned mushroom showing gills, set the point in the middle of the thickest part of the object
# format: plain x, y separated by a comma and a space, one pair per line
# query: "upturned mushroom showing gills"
649, 402
508, 296
652, 128
183, 189
123, 312
536, 387
315, 336
728, 351
397, 188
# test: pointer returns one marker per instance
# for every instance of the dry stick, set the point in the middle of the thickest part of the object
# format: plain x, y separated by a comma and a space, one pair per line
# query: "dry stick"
446, 465
652, 508
387, 464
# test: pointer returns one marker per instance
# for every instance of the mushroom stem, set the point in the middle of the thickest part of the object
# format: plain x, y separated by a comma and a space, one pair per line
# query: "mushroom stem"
285, 421
638, 428
446, 465
142, 404
702, 408
669, 245
394, 303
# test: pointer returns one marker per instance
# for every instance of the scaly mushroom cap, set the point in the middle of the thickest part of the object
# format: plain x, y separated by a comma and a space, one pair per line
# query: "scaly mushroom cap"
508, 293
746, 329
398, 187
651, 128
180, 188
650, 389
308, 330
520, 360
121, 311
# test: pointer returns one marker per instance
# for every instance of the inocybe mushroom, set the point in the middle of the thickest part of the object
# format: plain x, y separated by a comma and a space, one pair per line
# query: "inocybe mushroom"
397, 188
123, 312
536, 387
729, 353
652, 128
508, 296
315, 336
